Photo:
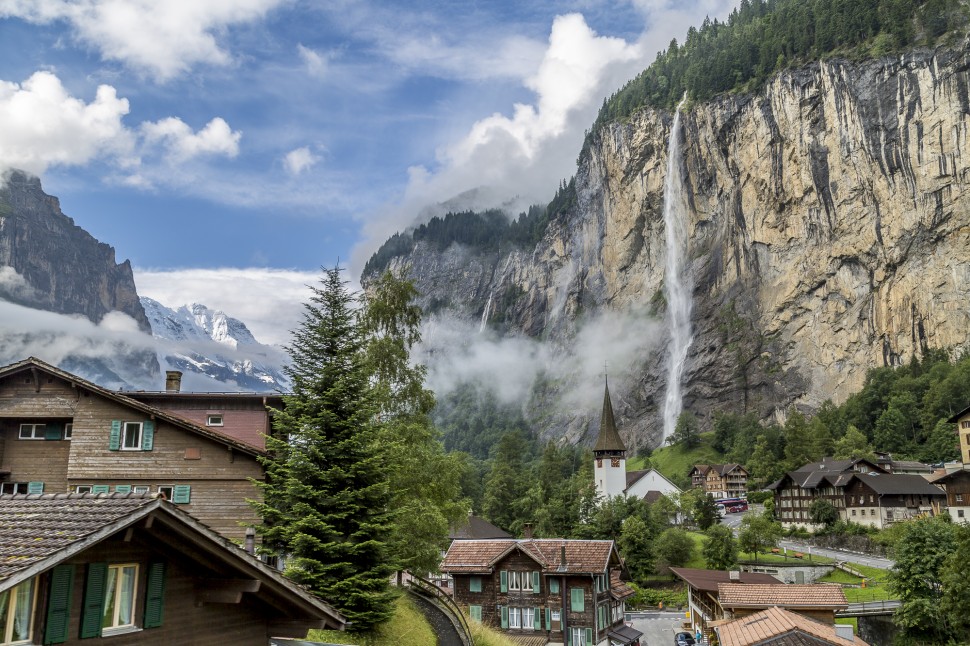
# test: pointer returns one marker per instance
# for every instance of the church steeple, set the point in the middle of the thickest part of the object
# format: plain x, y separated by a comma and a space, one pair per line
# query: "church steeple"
609, 453
608, 442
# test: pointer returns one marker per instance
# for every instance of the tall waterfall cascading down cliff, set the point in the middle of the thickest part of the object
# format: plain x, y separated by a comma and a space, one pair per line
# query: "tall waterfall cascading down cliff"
676, 281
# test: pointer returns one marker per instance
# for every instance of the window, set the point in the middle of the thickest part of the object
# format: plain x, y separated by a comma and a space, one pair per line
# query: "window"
528, 618
554, 586
521, 581
475, 584
581, 636
131, 437
959, 513
167, 491
853, 512
475, 612
959, 497
32, 431
68, 430
82, 489
515, 617
16, 608
14, 487
965, 424
140, 489
119, 596
213, 420
863, 512
577, 600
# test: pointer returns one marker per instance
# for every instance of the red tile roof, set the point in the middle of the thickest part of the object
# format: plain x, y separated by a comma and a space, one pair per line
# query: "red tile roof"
794, 595
774, 625
708, 580
482, 555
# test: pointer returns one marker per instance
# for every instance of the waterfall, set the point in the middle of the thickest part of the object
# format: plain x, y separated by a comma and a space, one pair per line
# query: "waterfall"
485, 313
676, 283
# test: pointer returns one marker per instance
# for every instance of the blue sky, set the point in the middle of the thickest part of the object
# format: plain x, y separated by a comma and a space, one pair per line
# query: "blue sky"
229, 148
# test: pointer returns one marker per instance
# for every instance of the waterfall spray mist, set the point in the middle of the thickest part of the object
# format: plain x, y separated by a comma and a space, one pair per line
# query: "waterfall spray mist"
676, 284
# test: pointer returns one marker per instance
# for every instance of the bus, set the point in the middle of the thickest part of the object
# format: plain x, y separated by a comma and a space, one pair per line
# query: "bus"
732, 505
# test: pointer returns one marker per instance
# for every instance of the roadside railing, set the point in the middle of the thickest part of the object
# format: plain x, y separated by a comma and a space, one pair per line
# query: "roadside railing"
447, 605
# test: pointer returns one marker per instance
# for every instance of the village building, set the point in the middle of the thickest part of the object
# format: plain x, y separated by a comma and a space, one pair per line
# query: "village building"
60, 433
720, 481
818, 601
825, 479
127, 569
609, 470
962, 420
956, 484
879, 500
555, 590
702, 591
779, 626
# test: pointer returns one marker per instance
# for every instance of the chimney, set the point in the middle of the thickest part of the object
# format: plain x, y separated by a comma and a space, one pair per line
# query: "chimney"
250, 540
527, 530
562, 557
734, 575
173, 381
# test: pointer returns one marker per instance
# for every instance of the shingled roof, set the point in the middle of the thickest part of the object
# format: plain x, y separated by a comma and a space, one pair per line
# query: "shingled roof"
780, 627
900, 484
583, 557
609, 438
794, 595
708, 580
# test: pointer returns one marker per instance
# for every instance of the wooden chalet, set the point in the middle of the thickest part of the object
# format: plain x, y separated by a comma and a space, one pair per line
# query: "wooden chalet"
60, 433
879, 500
720, 480
825, 479
129, 569
702, 592
783, 627
559, 590
819, 601
956, 484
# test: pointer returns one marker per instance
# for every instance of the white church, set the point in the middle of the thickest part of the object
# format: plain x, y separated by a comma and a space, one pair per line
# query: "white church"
612, 478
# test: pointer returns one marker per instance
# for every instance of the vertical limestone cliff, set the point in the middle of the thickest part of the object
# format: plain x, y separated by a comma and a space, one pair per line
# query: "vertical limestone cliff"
829, 234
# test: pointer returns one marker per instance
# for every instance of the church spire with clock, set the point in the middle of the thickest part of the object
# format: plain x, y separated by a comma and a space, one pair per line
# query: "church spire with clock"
609, 452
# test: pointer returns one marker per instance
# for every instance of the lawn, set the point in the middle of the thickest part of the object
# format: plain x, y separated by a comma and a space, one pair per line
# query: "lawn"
675, 462
876, 583
407, 627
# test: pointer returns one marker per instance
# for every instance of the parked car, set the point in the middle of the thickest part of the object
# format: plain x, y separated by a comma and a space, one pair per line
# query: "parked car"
684, 639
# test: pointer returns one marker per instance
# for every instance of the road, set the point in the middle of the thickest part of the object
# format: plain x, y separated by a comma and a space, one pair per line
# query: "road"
658, 628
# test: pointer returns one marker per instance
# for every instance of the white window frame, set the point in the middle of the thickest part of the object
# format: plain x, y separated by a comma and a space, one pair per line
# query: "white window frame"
140, 489
69, 430
515, 618
169, 494
214, 419
83, 488
14, 598
578, 636
528, 619
12, 487
36, 431
136, 445
116, 573
514, 580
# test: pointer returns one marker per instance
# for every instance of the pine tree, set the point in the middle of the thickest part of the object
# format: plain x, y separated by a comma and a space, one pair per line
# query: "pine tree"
325, 498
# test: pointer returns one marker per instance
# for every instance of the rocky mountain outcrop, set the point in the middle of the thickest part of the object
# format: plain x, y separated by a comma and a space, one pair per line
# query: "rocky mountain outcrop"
207, 342
829, 233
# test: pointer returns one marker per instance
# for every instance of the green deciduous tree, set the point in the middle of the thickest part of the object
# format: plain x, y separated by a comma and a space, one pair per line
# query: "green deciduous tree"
686, 432
721, 549
673, 548
917, 577
853, 445
823, 512
758, 534
705, 512
955, 604
636, 547
325, 499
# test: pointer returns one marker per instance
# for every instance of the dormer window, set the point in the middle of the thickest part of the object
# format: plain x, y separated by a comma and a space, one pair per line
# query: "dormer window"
213, 420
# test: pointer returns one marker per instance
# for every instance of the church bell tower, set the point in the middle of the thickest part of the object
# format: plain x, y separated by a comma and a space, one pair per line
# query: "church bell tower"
609, 453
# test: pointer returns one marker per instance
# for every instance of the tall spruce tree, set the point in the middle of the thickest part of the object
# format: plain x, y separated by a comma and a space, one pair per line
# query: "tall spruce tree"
325, 499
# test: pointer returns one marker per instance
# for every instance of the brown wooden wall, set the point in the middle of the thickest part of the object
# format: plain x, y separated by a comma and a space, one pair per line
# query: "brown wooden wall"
40, 460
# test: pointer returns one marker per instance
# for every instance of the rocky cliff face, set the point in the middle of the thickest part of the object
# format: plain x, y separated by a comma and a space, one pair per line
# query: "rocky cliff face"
829, 234
61, 267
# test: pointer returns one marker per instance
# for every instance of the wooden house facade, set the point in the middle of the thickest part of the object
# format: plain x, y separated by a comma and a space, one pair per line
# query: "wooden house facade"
135, 569
881, 500
720, 480
566, 591
60, 433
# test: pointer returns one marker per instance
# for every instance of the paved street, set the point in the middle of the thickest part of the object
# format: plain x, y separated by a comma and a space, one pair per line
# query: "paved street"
839, 555
658, 628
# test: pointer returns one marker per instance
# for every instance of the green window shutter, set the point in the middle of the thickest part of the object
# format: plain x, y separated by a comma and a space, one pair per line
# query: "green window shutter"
554, 586
154, 595
114, 440
122, 488
35, 487
548, 619
100, 489
535, 582
504, 581
53, 431
475, 584
182, 494
505, 616
577, 600
147, 435
59, 605
475, 612
93, 607
536, 619
589, 636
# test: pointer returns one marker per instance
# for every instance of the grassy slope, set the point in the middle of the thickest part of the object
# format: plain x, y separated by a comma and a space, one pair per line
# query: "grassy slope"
407, 627
675, 462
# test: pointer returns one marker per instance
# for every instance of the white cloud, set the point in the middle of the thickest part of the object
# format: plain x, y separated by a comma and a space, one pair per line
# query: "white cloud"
299, 160
216, 138
269, 301
316, 63
44, 125
162, 39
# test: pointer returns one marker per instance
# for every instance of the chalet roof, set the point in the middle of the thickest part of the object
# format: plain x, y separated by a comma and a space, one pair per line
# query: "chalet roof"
946, 478
956, 417
477, 528
708, 580
721, 469
583, 557
158, 413
825, 471
780, 627
619, 589
39, 531
608, 438
632, 477
899, 484
794, 595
